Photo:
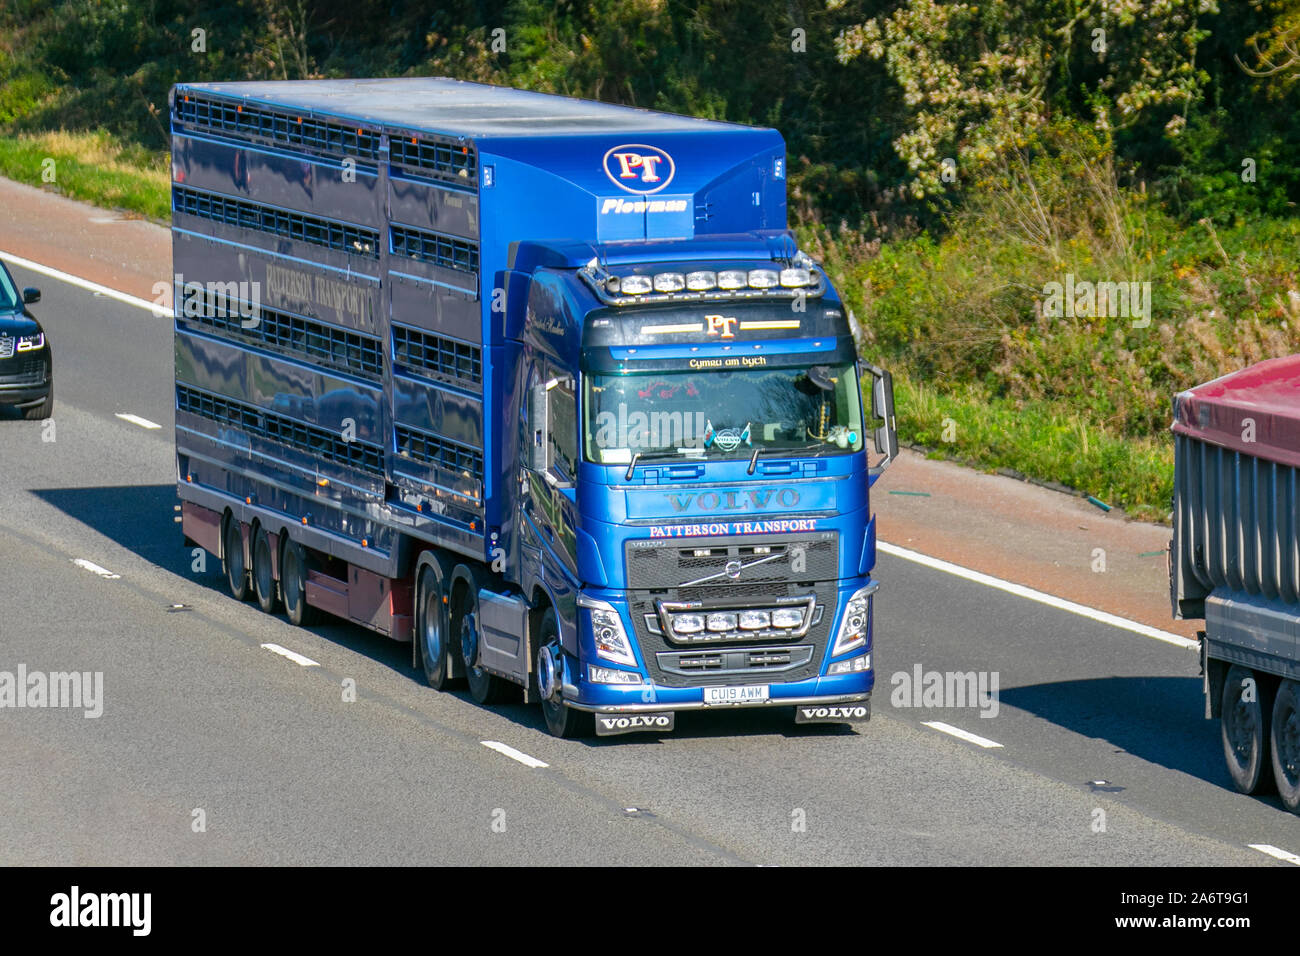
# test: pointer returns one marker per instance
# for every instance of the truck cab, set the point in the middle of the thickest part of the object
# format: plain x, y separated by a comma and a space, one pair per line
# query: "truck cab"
695, 501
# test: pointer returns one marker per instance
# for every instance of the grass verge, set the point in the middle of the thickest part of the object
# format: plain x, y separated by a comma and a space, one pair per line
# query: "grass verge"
1039, 440
92, 167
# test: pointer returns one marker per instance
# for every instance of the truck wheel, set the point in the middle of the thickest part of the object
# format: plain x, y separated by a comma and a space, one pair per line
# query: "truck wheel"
263, 578
232, 560
561, 719
1247, 707
293, 585
483, 687
1286, 744
432, 630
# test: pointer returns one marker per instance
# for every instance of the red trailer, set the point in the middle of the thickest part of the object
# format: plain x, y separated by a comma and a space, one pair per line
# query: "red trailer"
1235, 562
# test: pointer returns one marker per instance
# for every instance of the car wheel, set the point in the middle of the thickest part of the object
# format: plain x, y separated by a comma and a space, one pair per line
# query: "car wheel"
38, 413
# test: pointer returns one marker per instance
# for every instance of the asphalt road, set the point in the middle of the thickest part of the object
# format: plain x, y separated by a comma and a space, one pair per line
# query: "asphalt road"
198, 716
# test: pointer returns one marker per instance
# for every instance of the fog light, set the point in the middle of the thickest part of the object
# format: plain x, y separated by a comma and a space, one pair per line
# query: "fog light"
787, 617
852, 666
763, 278
732, 279
701, 281
688, 623
607, 675
755, 620
792, 278
722, 622
636, 285
669, 282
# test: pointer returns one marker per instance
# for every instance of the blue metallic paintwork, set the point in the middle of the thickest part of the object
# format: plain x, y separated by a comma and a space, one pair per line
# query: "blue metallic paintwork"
535, 146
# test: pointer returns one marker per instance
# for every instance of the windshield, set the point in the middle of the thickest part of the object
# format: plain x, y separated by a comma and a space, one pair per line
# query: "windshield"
8, 294
722, 413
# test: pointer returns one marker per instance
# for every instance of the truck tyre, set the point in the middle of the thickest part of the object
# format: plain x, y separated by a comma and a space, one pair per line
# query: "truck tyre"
483, 687
1245, 729
264, 585
232, 559
293, 585
1286, 744
432, 630
561, 719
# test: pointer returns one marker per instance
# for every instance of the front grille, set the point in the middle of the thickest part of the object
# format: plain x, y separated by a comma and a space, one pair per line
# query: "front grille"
740, 657
732, 563
23, 370
6, 346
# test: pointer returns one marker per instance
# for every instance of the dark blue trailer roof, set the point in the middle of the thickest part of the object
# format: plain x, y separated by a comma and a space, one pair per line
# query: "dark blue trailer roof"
457, 108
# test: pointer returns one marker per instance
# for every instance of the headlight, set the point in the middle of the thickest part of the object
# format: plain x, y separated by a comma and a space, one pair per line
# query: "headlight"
30, 343
853, 625
607, 631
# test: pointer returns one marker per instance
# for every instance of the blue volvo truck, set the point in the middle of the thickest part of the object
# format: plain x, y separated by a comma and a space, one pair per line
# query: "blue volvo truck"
541, 385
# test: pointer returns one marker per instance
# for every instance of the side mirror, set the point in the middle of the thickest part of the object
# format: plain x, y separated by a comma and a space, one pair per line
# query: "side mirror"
538, 428
31, 296
882, 411
539, 422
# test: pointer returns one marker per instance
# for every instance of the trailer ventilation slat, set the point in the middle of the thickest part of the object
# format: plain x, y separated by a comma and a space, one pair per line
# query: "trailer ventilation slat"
327, 233
437, 158
426, 447
280, 428
288, 334
281, 128
1236, 523
450, 252
437, 356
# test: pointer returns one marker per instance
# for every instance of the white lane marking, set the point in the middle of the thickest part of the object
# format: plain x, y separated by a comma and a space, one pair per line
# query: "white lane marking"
962, 734
292, 655
137, 420
1276, 852
513, 754
94, 568
158, 310
1041, 597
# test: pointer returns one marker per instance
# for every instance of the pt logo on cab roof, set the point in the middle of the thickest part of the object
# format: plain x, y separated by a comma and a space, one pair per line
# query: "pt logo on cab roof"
638, 168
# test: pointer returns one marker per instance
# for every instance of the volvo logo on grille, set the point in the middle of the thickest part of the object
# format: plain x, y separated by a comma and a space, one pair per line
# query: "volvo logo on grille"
733, 569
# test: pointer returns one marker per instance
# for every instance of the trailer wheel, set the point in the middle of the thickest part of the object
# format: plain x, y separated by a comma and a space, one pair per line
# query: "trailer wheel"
1247, 708
433, 631
561, 719
483, 687
1286, 744
263, 578
232, 559
293, 585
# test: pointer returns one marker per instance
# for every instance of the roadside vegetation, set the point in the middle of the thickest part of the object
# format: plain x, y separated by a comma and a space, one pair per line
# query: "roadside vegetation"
949, 162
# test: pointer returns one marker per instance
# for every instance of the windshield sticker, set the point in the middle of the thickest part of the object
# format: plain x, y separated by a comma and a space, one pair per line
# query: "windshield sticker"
715, 528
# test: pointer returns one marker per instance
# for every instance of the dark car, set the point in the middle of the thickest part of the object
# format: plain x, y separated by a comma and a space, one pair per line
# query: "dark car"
26, 367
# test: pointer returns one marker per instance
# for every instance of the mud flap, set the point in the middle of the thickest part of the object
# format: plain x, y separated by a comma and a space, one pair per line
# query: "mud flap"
858, 712
609, 724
